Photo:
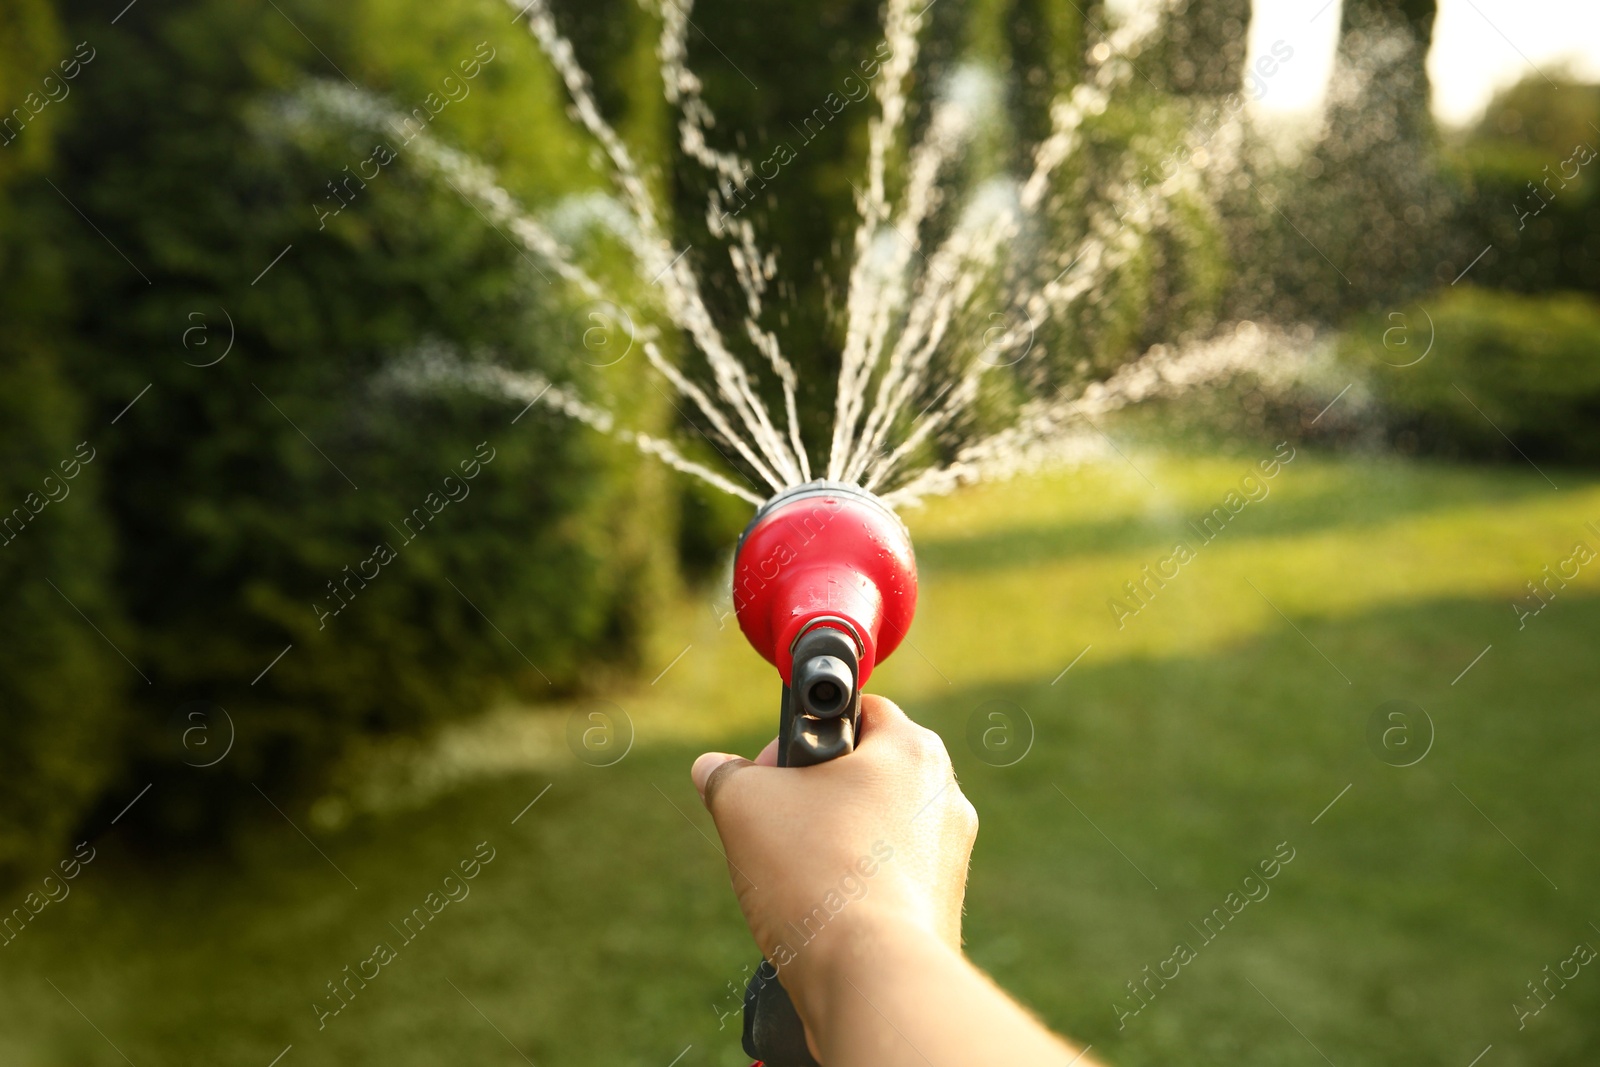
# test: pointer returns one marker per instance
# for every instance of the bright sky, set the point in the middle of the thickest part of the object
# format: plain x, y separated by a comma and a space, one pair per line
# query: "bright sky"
1479, 46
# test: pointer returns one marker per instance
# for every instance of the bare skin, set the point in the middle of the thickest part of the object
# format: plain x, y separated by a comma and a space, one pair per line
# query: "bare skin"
852, 877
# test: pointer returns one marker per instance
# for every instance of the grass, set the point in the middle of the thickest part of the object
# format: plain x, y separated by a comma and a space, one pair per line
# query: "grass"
1228, 716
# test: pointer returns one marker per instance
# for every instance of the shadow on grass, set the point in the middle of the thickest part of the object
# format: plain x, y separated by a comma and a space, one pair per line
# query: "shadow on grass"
1408, 922
604, 932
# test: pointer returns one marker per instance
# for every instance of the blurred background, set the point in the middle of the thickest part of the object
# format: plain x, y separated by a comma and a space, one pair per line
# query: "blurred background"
287, 639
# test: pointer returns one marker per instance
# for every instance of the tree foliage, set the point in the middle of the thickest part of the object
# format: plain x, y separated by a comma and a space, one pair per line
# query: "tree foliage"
1507, 368
57, 675
304, 542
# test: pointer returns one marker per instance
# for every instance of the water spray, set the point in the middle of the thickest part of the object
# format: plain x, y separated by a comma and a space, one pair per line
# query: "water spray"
825, 586
825, 582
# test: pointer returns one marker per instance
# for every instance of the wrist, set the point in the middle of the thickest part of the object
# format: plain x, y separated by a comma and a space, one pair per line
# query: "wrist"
862, 951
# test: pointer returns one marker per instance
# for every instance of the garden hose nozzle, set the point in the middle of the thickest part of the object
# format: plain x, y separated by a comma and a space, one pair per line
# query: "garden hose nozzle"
824, 585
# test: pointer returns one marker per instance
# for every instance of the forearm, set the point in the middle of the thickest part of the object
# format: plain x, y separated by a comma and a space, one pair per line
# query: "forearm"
890, 995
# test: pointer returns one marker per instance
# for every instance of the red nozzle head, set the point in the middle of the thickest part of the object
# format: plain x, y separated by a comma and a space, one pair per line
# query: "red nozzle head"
825, 553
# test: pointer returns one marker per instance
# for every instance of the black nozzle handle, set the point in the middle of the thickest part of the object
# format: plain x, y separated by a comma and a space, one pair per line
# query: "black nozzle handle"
817, 722
773, 1033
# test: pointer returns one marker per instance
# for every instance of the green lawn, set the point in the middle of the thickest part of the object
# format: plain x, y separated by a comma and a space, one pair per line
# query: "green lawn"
1220, 721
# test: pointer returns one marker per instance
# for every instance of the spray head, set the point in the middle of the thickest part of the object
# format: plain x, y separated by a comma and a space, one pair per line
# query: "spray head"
824, 585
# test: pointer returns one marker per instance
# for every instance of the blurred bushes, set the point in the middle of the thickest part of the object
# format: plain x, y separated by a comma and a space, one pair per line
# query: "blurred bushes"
1529, 193
1526, 363
1520, 333
478, 557
57, 676
1499, 223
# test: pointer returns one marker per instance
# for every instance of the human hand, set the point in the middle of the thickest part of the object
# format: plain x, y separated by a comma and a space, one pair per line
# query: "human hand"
876, 839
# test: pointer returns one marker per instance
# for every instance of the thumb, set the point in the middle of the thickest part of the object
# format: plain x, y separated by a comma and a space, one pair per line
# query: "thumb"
707, 765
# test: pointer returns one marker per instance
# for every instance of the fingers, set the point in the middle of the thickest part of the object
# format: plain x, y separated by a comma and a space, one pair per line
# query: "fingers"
881, 718
885, 729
